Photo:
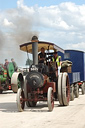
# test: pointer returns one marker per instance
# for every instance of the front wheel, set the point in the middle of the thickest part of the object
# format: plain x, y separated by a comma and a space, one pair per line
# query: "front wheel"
50, 99
20, 101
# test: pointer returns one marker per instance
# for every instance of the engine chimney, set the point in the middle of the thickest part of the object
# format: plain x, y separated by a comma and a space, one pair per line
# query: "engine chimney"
35, 49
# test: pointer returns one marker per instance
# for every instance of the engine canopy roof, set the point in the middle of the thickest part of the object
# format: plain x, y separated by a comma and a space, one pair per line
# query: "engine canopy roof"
27, 47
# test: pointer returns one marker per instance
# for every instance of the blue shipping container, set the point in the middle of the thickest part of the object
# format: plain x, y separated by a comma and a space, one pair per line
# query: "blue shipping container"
78, 67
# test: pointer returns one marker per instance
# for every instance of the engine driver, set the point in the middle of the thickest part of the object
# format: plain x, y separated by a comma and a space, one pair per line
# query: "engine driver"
42, 55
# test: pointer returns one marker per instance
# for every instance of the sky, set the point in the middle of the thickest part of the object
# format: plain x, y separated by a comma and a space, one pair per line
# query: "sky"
58, 21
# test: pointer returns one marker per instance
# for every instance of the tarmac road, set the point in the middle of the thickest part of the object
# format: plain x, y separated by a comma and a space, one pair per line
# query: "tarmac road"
72, 116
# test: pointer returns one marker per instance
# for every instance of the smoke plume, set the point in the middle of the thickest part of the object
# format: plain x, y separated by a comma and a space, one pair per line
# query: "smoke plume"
2, 39
18, 28
23, 31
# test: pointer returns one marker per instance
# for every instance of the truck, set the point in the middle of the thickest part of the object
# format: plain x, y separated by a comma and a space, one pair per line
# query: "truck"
77, 77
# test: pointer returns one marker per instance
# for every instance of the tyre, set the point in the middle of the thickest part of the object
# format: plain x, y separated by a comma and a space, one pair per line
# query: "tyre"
83, 88
65, 89
31, 104
60, 89
1, 91
76, 90
50, 99
14, 82
72, 92
20, 102
25, 92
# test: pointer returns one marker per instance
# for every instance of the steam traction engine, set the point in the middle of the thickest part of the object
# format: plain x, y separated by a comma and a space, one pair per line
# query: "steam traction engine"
42, 82
9, 78
5, 77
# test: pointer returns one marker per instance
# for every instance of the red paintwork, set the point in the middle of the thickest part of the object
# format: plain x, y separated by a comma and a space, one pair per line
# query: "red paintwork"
67, 89
80, 83
49, 84
38, 95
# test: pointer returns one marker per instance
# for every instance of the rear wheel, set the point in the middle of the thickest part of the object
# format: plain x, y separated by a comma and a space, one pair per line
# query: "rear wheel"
20, 101
83, 88
60, 89
25, 92
14, 82
65, 89
72, 92
50, 99
76, 90
10, 69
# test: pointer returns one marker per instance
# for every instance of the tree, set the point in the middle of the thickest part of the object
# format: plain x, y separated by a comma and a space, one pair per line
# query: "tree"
29, 62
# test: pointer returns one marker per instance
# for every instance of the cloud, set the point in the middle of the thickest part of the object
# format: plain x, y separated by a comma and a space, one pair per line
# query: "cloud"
7, 23
63, 24
77, 46
20, 3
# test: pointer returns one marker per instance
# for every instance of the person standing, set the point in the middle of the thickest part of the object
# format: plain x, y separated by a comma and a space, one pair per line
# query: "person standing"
57, 59
6, 63
14, 64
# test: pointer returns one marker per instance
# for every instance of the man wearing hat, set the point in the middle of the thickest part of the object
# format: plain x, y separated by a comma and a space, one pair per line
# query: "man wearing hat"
56, 59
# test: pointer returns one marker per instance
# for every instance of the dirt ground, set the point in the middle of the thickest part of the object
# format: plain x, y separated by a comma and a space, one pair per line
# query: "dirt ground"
72, 116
